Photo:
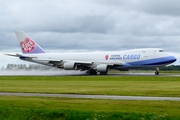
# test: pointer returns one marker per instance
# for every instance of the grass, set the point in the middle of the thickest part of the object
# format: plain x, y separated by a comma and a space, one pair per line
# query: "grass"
73, 108
170, 72
123, 85
47, 114
36, 108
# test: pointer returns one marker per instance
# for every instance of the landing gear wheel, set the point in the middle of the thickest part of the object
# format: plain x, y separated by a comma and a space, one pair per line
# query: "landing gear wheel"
93, 72
157, 73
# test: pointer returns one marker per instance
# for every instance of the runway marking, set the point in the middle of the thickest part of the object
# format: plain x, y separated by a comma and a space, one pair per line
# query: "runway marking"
92, 96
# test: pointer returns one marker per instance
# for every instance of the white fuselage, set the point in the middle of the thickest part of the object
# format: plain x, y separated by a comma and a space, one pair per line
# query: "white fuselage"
93, 62
150, 57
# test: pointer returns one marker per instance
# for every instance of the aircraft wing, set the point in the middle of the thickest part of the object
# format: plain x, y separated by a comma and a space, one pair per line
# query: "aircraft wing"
53, 62
80, 65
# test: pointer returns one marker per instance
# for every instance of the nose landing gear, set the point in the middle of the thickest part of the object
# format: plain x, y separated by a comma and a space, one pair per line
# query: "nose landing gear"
157, 71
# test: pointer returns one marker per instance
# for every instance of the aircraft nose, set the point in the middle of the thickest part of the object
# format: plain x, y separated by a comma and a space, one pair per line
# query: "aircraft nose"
173, 59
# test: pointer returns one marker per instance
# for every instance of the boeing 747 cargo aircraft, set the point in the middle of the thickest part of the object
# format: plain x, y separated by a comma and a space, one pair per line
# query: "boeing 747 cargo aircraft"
93, 62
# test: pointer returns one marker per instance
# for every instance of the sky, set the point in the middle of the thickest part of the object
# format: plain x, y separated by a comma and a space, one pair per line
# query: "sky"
90, 25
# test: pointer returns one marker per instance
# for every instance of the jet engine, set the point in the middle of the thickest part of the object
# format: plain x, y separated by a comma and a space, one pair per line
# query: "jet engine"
70, 66
102, 68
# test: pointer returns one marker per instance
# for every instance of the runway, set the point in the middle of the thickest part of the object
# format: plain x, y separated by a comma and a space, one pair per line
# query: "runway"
92, 96
74, 73
129, 74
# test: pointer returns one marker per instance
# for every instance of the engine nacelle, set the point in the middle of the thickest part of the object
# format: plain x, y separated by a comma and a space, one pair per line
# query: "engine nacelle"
102, 68
70, 66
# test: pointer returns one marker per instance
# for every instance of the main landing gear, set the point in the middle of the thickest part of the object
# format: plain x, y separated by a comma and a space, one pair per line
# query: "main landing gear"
157, 71
92, 72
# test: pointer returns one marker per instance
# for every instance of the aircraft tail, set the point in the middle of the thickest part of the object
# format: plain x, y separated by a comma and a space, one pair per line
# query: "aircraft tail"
28, 46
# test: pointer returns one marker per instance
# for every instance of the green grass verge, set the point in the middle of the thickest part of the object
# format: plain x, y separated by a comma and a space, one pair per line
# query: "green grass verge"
17, 107
170, 72
59, 114
102, 85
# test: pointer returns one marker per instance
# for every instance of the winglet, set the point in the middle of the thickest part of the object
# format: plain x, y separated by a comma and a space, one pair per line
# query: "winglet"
28, 46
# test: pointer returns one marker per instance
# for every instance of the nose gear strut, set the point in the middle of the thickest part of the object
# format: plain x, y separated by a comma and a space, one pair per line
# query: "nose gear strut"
157, 71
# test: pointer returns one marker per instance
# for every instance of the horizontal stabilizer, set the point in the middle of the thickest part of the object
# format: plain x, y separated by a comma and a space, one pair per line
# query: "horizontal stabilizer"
14, 55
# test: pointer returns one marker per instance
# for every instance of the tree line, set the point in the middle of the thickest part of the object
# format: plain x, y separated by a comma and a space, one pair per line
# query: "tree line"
165, 68
28, 67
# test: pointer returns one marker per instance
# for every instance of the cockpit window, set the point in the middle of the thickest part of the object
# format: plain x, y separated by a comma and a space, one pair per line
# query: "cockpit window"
161, 50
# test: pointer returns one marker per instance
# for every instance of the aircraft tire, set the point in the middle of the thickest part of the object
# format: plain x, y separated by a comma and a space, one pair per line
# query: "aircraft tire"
93, 72
157, 73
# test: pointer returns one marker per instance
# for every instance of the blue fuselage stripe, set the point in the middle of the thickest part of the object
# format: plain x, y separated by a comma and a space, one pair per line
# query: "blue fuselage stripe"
156, 61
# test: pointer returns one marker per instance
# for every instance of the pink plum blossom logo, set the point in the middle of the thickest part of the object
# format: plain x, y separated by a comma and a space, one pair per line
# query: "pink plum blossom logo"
27, 45
106, 57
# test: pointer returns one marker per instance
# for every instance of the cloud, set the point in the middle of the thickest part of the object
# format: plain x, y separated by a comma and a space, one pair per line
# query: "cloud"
91, 25
158, 7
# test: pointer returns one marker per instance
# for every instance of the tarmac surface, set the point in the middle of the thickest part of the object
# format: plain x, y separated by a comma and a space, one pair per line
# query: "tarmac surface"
72, 73
92, 96
134, 74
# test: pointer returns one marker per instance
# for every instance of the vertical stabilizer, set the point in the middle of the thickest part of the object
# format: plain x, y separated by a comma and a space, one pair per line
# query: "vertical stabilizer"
28, 46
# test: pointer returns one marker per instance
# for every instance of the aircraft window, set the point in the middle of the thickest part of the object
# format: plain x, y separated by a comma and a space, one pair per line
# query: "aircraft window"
161, 50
